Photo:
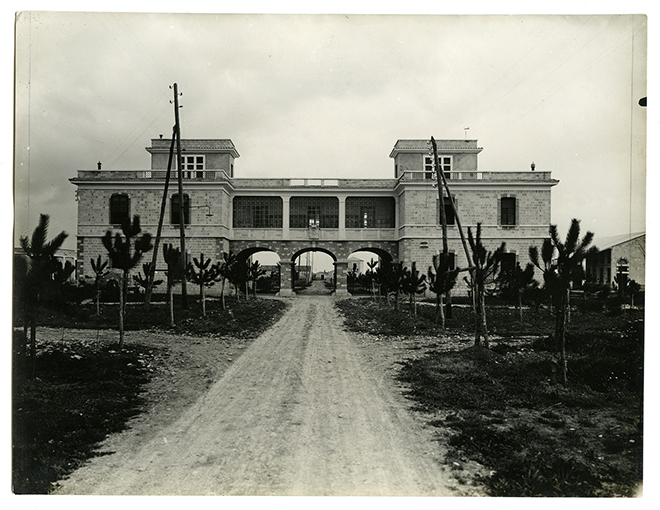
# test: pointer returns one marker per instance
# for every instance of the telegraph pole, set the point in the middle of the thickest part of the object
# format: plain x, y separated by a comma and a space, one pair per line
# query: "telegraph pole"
443, 221
152, 272
182, 223
456, 217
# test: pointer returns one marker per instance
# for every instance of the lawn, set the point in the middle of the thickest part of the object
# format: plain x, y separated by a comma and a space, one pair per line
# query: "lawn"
498, 408
85, 388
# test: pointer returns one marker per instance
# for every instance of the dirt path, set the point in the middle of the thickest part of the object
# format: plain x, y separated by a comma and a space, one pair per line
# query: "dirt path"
301, 412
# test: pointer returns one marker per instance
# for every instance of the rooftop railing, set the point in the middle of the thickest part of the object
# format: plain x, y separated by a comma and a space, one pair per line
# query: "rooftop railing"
130, 175
474, 175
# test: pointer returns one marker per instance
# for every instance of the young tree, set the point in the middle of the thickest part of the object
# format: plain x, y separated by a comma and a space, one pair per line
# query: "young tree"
254, 272
205, 275
514, 282
175, 273
124, 252
486, 265
99, 267
414, 283
224, 270
371, 276
558, 273
441, 280
238, 276
143, 281
36, 275
396, 281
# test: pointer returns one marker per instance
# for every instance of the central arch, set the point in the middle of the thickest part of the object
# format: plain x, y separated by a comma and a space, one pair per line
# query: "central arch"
303, 273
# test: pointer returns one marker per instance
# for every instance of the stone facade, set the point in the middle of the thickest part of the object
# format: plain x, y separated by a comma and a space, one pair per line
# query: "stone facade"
395, 218
628, 251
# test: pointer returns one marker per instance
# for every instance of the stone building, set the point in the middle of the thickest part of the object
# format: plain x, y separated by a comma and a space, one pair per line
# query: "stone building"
624, 254
395, 218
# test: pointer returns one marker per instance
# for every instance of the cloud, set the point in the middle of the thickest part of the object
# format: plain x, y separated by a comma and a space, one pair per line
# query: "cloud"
330, 95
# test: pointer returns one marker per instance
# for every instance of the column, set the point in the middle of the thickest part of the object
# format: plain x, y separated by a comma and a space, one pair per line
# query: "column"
342, 218
286, 279
285, 219
341, 284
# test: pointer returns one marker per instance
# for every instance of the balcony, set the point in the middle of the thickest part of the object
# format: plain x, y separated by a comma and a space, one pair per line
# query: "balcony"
141, 175
474, 175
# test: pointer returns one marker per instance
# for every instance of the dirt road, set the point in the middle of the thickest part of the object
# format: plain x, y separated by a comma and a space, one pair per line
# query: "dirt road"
301, 412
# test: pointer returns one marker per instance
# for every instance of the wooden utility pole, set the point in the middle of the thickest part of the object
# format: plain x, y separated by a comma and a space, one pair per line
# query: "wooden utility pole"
443, 221
182, 223
441, 175
152, 273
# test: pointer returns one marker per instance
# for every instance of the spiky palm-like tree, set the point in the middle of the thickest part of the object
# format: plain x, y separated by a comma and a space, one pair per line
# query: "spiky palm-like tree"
486, 266
99, 267
396, 280
224, 269
143, 281
203, 274
414, 283
125, 250
36, 274
371, 276
238, 276
175, 273
561, 263
441, 280
515, 281
254, 272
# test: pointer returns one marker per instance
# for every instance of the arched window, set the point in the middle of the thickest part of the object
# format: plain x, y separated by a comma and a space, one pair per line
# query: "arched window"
175, 207
119, 208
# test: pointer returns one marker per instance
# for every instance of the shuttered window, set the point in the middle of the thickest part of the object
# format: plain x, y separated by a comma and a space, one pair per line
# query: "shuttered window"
119, 208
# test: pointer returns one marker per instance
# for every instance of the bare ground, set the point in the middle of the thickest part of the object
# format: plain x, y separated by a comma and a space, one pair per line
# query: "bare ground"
306, 409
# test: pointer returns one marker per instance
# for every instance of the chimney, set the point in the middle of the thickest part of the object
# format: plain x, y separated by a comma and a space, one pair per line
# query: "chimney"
98, 165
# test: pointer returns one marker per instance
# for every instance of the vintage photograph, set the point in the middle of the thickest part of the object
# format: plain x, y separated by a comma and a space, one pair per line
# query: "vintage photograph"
361, 254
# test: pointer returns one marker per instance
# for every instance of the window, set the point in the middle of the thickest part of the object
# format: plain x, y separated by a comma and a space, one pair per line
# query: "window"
445, 165
174, 213
451, 260
508, 263
370, 212
322, 212
192, 166
257, 212
119, 208
449, 211
508, 211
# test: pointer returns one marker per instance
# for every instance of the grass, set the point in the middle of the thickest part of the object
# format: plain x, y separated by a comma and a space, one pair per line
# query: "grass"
242, 318
499, 408
85, 390
82, 393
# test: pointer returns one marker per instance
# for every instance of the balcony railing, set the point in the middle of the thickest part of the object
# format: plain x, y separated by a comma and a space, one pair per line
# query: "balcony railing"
474, 175
132, 175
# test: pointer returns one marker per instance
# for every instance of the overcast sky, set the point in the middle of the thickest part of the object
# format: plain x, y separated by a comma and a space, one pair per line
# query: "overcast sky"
329, 95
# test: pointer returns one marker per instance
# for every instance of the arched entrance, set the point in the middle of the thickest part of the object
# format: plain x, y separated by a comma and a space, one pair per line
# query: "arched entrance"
313, 271
269, 265
362, 263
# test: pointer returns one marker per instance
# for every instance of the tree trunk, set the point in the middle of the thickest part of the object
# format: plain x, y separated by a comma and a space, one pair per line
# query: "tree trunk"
203, 299
560, 336
33, 343
441, 309
121, 312
520, 313
222, 294
26, 326
482, 327
170, 295
98, 298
